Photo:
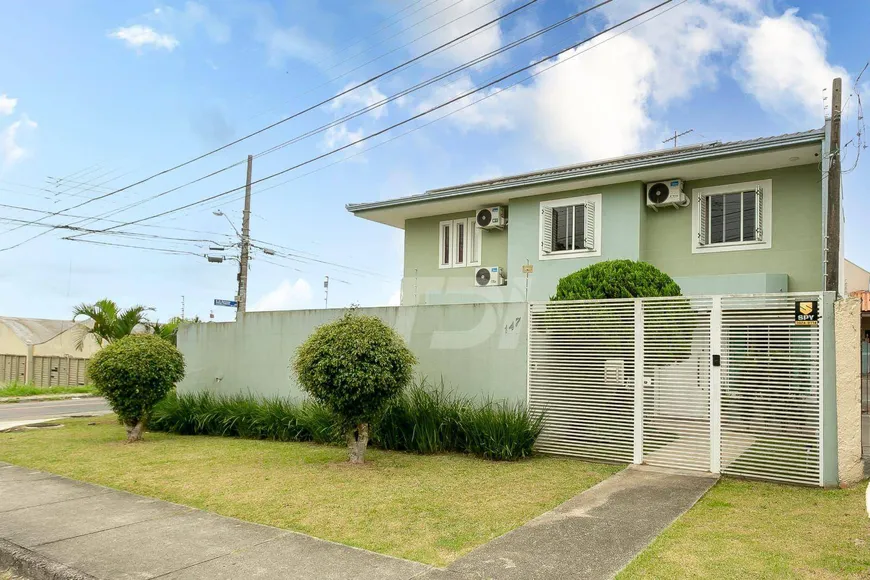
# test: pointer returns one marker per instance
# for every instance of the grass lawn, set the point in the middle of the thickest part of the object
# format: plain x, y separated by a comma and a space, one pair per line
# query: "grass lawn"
744, 529
18, 390
428, 508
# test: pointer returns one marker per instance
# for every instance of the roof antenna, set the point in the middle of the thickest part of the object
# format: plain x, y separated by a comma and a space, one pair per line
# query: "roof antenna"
676, 136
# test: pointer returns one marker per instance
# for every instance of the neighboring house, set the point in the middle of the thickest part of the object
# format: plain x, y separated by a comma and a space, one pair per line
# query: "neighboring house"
857, 278
751, 221
43, 352
48, 337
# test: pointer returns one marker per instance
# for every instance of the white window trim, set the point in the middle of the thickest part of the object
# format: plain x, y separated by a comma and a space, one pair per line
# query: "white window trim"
567, 254
470, 228
766, 216
442, 265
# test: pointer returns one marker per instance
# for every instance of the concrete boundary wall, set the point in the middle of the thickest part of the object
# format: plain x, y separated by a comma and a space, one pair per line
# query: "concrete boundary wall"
847, 319
478, 349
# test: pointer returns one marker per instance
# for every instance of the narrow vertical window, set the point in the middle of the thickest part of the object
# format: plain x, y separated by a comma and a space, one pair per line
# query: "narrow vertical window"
459, 242
444, 244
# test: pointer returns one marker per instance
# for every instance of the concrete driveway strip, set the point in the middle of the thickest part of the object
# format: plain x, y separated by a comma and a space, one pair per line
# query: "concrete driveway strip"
591, 536
113, 535
16, 414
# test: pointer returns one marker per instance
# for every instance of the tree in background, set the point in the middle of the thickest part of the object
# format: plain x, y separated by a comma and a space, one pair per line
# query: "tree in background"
134, 373
616, 279
354, 366
169, 330
109, 322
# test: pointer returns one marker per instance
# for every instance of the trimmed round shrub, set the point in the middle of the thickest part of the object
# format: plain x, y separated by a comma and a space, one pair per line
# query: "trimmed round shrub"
354, 366
134, 374
616, 279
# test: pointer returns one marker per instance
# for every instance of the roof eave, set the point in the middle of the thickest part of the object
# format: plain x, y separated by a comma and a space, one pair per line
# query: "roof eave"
532, 179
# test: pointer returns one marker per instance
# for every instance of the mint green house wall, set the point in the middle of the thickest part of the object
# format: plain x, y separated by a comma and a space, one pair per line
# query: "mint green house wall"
795, 253
620, 236
478, 350
632, 231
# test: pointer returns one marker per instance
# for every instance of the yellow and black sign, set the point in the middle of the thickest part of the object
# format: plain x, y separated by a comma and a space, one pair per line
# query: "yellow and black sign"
806, 313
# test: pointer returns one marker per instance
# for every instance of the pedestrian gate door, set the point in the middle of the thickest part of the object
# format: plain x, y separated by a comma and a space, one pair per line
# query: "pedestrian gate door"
726, 384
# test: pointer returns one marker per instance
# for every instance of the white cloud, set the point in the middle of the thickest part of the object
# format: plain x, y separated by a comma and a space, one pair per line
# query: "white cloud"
10, 145
395, 298
339, 135
468, 15
360, 98
603, 102
287, 296
139, 36
7, 104
783, 65
196, 14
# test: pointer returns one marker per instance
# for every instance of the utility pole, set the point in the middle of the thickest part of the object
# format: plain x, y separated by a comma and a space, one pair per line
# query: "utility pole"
832, 241
674, 138
246, 244
326, 291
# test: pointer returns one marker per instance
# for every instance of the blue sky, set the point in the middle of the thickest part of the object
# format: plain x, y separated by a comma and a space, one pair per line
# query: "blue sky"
111, 92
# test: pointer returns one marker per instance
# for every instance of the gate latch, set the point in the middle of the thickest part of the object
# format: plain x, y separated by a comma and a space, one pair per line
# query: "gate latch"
717, 360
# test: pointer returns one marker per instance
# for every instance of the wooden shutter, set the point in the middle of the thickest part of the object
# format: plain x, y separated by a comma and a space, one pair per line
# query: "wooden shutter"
589, 230
702, 221
759, 213
546, 229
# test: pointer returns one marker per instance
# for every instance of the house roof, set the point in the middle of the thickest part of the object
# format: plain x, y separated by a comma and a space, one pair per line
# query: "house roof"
37, 330
629, 165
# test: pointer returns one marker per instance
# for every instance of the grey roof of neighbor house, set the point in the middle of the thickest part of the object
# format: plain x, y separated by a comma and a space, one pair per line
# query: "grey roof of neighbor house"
37, 330
643, 160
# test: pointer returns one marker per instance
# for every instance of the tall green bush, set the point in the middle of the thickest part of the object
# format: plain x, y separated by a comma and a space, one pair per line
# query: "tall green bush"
616, 279
134, 373
354, 366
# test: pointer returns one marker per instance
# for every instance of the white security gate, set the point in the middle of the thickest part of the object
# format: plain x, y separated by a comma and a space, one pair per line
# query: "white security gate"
725, 384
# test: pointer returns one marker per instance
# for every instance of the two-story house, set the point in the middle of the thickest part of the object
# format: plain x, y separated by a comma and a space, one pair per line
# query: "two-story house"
720, 218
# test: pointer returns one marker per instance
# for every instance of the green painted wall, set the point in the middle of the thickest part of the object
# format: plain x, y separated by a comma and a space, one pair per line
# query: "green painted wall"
632, 231
620, 236
477, 349
425, 283
796, 248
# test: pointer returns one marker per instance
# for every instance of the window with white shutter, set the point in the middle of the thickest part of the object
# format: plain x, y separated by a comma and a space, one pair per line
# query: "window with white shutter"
732, 217
570, 227
445, 240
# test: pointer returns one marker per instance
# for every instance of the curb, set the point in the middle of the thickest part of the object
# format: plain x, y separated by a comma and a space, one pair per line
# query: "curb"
35, 566
49, 397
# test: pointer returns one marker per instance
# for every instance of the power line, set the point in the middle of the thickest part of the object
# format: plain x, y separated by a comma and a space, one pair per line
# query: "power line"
405, 121
382, 102
284, 120
485, 97
153, 249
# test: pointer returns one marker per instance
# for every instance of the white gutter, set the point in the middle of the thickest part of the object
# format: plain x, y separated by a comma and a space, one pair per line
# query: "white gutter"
542, 177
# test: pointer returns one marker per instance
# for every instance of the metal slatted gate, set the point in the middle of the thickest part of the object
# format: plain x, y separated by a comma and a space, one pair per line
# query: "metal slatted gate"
771, 405
581, 369
754, 412
676, 382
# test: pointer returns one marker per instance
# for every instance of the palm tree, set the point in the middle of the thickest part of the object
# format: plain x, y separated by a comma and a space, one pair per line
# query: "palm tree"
109, 322
169, 330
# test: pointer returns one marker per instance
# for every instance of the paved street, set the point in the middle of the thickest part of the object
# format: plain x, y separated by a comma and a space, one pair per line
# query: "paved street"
15, 414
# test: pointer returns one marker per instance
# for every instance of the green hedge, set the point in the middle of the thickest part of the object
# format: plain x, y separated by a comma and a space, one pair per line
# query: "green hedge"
421, 420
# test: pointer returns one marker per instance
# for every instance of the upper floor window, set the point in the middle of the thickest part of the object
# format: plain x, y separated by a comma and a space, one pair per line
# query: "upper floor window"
732, 217
570, 227
459, 243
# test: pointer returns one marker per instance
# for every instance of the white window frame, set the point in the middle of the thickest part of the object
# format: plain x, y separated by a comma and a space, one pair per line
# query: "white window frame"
472, 241
594, 199
765, 243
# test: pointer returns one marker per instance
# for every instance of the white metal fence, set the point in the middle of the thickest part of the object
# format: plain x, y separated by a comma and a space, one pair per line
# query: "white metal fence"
725, 384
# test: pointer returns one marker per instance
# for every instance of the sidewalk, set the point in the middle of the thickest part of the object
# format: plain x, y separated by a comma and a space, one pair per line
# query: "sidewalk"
111, 534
